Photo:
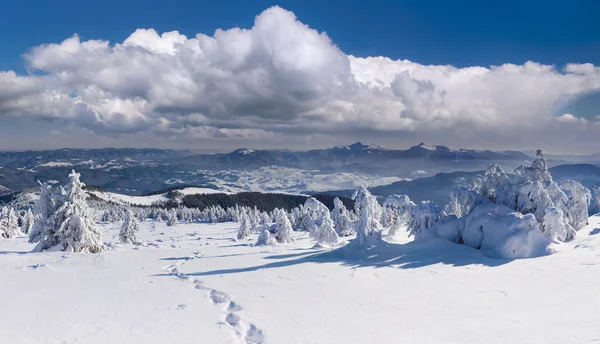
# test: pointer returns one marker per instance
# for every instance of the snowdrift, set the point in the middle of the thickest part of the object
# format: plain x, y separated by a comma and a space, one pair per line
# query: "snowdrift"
496, 230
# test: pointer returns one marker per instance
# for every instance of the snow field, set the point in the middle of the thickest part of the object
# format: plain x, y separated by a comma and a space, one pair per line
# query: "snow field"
194, 283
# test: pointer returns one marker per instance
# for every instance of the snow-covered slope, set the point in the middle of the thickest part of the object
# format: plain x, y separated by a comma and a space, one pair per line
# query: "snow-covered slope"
194, 284
149, 200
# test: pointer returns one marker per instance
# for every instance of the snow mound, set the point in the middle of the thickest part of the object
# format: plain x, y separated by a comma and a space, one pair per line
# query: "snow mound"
496, 230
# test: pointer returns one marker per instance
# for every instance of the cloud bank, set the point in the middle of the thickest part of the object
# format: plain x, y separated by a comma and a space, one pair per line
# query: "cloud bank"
282, 83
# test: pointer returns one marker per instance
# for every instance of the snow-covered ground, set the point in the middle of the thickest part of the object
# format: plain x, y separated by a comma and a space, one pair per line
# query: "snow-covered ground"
194, 284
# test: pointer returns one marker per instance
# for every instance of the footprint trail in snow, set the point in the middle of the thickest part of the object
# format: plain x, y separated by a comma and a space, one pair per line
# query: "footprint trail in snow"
234, 316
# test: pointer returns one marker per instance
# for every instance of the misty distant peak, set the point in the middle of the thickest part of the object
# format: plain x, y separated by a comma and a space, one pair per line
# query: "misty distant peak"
357, 146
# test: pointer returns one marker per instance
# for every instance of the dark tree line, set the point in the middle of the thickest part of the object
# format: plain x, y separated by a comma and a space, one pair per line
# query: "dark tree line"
262, 201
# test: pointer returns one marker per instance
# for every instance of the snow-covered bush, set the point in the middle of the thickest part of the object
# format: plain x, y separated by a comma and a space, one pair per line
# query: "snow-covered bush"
555, 227
129, 229
463, 201
368, 227
424, 215
496, 230
530, 190
402, 207
265, 239
397, 212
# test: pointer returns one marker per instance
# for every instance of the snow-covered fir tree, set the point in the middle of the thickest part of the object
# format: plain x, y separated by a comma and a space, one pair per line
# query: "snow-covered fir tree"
368, 227
265, 221
244, 231
71, 227
254, 220
341, 219
9, 223
283, 227
28, 221
43, 209
129, 229
172, 218
321, 228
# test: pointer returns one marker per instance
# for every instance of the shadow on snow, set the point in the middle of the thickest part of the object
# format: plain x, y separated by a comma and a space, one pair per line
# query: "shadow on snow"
411, 255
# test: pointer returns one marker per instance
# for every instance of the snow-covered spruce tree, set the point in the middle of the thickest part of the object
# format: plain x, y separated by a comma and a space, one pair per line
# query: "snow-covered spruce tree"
266, 239
368, 228
578, 201
321, 229
129, 229
254, 220
594, 207
8, 227
12, 223
72, 225
172, 218
28, 221
265, 221
340, 218
244, 231
44, 207
283, 227
325, 234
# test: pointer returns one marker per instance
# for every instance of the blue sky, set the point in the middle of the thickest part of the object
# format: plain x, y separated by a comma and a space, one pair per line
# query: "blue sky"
460, 33
93, 97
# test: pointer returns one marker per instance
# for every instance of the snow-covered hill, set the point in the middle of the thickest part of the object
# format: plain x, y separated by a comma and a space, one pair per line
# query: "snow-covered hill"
149, 200
194, 284
142, 171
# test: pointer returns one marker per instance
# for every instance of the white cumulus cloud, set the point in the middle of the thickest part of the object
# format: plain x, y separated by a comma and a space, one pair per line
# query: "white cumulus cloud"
283, 82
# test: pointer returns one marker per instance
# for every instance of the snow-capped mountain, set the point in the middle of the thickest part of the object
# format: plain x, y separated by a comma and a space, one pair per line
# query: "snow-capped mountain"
139, 171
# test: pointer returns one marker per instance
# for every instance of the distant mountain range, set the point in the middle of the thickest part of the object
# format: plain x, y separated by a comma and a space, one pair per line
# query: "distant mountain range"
355, 157
139, 171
